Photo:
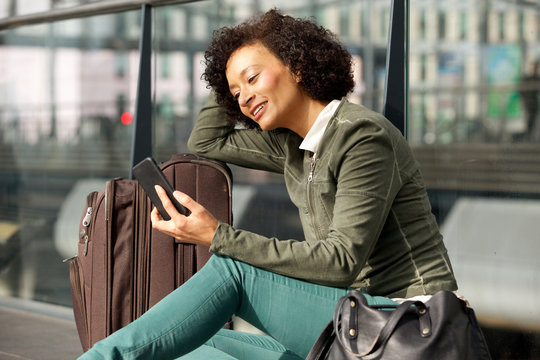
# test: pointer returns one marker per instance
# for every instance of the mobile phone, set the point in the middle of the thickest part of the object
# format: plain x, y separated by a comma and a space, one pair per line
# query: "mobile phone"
148, 173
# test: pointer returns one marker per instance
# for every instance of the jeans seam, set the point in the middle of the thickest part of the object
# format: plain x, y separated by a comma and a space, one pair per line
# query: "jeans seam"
256, 345
157, 338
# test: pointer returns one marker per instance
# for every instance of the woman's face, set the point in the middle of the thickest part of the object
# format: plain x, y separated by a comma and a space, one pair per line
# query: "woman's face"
264, 87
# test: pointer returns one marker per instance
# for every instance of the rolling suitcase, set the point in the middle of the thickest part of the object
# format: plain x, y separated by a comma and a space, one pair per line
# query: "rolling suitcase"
123, 266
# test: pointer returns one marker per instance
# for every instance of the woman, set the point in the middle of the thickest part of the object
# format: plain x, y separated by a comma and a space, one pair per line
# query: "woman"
362, 203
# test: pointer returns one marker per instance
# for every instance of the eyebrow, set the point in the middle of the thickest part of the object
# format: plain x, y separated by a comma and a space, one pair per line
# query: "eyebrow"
245, 70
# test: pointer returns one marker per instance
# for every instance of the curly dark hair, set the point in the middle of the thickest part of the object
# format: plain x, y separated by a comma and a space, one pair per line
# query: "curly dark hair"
309, 50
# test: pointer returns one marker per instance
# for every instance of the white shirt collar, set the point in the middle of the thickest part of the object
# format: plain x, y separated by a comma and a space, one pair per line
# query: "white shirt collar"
313, 137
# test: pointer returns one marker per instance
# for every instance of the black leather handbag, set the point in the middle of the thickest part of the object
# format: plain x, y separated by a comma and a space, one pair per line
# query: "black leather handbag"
442, 328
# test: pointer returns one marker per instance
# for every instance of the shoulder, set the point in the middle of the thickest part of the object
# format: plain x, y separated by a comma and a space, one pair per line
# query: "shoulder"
357, 133
360, 115
355, 122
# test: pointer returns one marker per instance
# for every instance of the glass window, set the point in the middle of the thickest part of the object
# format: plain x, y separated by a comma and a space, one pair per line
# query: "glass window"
67, 94
25, 7
69, 89
66, 89
474, 126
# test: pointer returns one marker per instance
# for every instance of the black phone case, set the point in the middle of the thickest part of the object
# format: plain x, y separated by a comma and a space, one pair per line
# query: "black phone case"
148, 173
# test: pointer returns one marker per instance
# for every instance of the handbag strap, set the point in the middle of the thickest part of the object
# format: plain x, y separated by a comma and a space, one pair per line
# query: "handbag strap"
397, 315
384, 335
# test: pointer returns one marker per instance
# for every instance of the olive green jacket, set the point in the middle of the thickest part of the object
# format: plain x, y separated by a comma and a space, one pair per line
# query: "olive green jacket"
362, 202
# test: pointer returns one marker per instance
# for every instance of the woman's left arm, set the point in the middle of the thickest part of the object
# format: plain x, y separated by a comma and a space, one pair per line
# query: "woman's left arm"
367, 179
367, 182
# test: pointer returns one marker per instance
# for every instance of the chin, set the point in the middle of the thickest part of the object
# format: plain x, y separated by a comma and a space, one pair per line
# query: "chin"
267, 128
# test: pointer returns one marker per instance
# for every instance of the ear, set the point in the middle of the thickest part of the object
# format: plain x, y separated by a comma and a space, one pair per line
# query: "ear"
298, 77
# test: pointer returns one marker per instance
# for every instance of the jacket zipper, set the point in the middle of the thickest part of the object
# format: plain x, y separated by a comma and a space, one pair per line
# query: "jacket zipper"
310, 180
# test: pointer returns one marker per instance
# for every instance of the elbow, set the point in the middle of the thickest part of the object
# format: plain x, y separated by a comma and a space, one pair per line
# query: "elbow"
348, 270
348, 277
340, 278
200, 145
195, 146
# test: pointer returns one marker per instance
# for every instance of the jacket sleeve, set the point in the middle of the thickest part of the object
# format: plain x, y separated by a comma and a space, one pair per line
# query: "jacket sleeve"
213, 137
367, 180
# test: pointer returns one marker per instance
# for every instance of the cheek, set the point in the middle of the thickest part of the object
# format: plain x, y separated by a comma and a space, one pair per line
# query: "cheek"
245, 111
270, 81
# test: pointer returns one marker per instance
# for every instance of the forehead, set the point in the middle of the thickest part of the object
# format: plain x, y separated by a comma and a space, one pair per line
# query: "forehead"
249, 55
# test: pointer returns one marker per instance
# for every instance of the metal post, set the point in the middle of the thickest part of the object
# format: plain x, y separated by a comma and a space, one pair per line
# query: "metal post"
142, 123
395, 91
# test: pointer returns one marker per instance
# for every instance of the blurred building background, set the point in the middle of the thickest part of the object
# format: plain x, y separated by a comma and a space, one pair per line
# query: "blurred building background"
67, 94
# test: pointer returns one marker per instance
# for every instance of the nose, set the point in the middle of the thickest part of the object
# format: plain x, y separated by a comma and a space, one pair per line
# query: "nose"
245, 98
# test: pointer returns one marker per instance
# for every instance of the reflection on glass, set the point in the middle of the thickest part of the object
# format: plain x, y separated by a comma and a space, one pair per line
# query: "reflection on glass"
66, 109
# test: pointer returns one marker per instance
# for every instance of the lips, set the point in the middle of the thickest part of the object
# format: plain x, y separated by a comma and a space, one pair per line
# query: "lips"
258, 110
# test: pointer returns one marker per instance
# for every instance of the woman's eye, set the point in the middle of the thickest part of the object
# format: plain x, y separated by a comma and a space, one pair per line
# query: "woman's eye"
251, 78
236, 96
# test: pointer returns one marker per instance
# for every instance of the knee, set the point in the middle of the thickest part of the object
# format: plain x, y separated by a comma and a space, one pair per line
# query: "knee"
224, 264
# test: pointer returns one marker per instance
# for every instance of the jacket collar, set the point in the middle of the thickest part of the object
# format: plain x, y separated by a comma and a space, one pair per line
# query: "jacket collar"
315, 134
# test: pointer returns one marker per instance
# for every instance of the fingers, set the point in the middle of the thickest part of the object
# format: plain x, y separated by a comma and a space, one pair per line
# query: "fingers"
167, 203
155, 216
197, 228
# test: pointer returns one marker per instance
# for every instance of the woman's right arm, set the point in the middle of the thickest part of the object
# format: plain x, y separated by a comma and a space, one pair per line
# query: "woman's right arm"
213, 137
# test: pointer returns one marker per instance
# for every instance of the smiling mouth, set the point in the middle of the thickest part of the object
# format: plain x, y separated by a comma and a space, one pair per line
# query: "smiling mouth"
258, 109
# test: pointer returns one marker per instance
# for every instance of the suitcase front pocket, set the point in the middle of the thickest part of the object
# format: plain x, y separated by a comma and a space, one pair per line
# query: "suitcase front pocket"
79, 300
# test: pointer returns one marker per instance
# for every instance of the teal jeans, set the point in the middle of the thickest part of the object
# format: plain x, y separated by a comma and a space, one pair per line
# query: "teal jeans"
188, 323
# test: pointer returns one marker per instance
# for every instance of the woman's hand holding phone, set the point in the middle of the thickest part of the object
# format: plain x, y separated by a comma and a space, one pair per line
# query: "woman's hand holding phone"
197, 228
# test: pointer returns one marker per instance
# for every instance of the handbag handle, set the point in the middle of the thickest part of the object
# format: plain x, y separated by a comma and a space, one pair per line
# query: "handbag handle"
384, 335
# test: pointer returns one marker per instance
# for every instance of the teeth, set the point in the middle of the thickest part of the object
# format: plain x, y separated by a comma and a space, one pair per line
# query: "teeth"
258, 109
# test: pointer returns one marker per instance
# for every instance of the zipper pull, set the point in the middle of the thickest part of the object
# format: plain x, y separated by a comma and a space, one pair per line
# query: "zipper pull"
69, 259
85, 245
87, 217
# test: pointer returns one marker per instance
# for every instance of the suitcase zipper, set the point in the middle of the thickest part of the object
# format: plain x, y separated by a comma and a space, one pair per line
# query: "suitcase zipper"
76, 271
109, 200
86, 221
137, 255
143, 253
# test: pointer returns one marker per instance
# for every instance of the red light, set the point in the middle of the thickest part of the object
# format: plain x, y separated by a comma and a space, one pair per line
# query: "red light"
126, 118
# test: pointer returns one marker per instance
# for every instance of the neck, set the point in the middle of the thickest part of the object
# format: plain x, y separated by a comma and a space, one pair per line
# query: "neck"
307, 118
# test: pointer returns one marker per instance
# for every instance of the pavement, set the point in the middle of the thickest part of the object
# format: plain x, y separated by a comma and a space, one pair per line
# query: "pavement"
31, 330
